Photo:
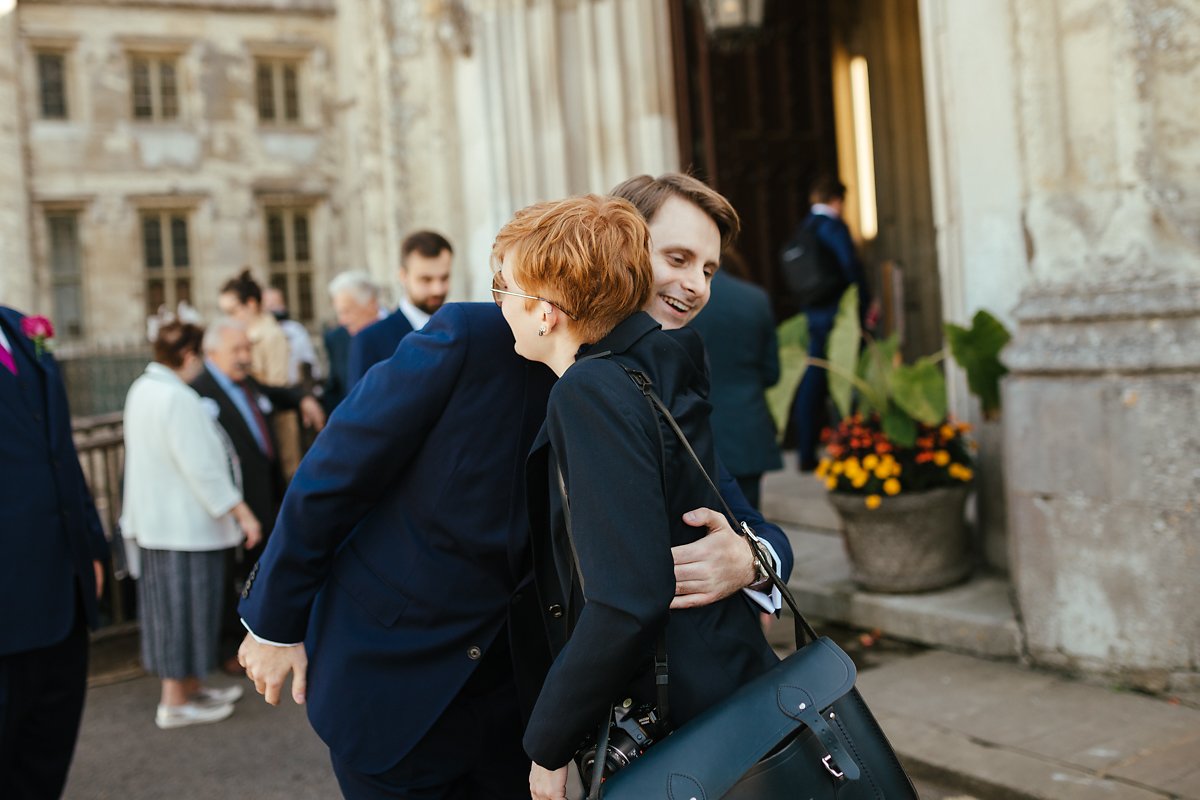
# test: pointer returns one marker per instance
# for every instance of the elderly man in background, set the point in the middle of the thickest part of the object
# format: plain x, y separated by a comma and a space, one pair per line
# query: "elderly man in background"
425, 260
244, 408
355, 299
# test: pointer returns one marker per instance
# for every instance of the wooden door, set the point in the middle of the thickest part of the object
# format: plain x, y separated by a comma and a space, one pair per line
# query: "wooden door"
756, 121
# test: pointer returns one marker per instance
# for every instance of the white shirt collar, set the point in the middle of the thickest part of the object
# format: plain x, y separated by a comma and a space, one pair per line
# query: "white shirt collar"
415, 316
825, 211
4, 340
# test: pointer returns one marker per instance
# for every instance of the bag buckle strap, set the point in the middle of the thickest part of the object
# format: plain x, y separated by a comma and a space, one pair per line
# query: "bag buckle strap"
798, 704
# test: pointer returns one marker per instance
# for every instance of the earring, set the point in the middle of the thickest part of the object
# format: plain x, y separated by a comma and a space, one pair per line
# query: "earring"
542, 331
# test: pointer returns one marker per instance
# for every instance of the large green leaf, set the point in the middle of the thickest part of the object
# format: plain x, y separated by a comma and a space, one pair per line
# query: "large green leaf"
920, 390
874, 367
977, 350
793, 332
899, 427
842, 351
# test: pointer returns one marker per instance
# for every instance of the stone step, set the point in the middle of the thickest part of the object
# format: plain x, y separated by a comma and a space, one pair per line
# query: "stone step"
976, 617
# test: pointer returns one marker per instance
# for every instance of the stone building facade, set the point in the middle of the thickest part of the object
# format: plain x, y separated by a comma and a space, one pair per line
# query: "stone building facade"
1064, 159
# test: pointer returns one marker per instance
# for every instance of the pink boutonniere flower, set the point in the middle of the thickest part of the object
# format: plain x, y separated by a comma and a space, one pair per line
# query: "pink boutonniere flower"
41, 330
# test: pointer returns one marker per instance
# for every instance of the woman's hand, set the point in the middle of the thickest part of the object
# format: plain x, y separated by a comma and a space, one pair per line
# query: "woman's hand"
249, 524
545, 784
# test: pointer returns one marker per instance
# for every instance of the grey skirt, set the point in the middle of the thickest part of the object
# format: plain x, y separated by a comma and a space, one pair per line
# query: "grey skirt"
179, 605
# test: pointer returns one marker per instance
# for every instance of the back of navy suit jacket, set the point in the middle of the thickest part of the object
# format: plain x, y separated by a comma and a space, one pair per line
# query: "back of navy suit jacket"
49, 533
376, 343
401, 545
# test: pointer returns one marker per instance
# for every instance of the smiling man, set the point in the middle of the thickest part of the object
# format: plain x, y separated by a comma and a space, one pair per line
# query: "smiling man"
425, 261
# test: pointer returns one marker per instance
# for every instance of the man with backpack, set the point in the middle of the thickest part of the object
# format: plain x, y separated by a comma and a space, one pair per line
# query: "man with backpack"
819, 263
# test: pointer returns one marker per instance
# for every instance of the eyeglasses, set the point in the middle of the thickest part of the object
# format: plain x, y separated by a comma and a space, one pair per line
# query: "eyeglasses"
498, 281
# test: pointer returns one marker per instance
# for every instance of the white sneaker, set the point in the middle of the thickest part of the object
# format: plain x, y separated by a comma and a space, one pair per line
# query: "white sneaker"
212, 696
190, 714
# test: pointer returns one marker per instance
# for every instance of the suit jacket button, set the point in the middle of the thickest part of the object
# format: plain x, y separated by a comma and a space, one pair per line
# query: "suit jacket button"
555, 610
474, 653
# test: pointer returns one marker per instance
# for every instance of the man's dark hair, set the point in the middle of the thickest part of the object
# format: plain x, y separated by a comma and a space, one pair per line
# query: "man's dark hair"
428, 243
245, 287
174, 341
826, 188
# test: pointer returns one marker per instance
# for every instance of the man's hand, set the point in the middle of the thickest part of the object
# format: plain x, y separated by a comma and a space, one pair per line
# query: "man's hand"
545, 784
98, 567
711, 568
311, 413
268, 666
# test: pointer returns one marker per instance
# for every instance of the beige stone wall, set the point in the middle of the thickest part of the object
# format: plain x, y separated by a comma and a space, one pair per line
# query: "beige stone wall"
1068, 161
16, 280
215, 160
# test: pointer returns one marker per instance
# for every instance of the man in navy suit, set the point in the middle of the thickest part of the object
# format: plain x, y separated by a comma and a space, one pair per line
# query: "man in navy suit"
425, 260
51, 573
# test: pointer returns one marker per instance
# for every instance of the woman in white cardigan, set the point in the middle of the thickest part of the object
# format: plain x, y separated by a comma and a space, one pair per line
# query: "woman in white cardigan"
184, 509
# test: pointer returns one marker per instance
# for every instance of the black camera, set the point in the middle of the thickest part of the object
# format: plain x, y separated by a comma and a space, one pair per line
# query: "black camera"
633, 730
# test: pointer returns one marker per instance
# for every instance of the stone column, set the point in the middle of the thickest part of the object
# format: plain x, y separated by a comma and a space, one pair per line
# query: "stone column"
1101, 407
16, 263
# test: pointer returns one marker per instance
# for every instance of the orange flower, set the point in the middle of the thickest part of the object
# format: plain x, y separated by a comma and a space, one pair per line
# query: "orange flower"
873, 501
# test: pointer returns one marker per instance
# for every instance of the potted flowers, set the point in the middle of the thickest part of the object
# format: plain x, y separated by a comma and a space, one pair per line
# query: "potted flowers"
897, 468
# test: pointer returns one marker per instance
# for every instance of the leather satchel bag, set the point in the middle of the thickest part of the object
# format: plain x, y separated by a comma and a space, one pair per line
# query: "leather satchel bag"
800, 730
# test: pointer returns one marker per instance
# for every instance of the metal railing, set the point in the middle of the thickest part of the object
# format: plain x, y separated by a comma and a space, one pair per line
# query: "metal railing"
100, 441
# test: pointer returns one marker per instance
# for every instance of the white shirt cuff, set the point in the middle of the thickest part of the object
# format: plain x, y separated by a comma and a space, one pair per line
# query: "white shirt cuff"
770, 602
261, 640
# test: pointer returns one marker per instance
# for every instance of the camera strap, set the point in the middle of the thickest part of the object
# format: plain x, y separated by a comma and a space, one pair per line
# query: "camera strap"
661, 678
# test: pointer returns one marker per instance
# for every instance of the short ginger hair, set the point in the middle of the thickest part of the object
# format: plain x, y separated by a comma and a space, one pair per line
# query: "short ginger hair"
588, 255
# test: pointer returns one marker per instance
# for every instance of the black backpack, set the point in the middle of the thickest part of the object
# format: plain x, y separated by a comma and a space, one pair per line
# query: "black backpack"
811, 270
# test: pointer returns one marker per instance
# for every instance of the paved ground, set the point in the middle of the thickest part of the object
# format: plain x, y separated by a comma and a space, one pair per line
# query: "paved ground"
260, 753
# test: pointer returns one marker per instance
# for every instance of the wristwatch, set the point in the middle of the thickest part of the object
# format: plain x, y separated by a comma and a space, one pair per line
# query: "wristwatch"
762, 578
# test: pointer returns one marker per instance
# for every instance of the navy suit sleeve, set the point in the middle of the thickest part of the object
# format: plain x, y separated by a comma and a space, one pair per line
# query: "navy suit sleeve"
835, 235
354, 463
747, 513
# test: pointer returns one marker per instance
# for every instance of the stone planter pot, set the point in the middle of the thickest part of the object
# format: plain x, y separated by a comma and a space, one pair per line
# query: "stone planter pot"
912, 543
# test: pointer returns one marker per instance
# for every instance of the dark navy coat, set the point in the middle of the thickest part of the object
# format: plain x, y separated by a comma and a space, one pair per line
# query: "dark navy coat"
629, 482
743, 355
376, 343
49, 530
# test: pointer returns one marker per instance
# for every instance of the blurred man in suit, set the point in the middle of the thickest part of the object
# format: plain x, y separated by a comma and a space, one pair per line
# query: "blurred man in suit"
425, 275
51, 574
743, 352
355, 299
244, 409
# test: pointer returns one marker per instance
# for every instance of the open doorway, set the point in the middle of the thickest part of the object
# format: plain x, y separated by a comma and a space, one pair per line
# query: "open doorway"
822, 88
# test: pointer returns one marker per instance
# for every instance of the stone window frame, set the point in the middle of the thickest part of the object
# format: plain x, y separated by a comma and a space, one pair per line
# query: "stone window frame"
158, 55
278, 58
62, 46
55, 278
289, 255
169, 273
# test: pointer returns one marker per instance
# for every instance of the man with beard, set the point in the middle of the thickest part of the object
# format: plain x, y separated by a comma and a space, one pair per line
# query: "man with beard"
425, 258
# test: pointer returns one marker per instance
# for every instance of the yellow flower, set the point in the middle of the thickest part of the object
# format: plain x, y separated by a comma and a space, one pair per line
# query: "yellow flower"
883, 471
941, 458
966, 474
852, 465
831, 483
896, 470
891, 486
873, 501
859, 480
838, 467
947, 432
870, 462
